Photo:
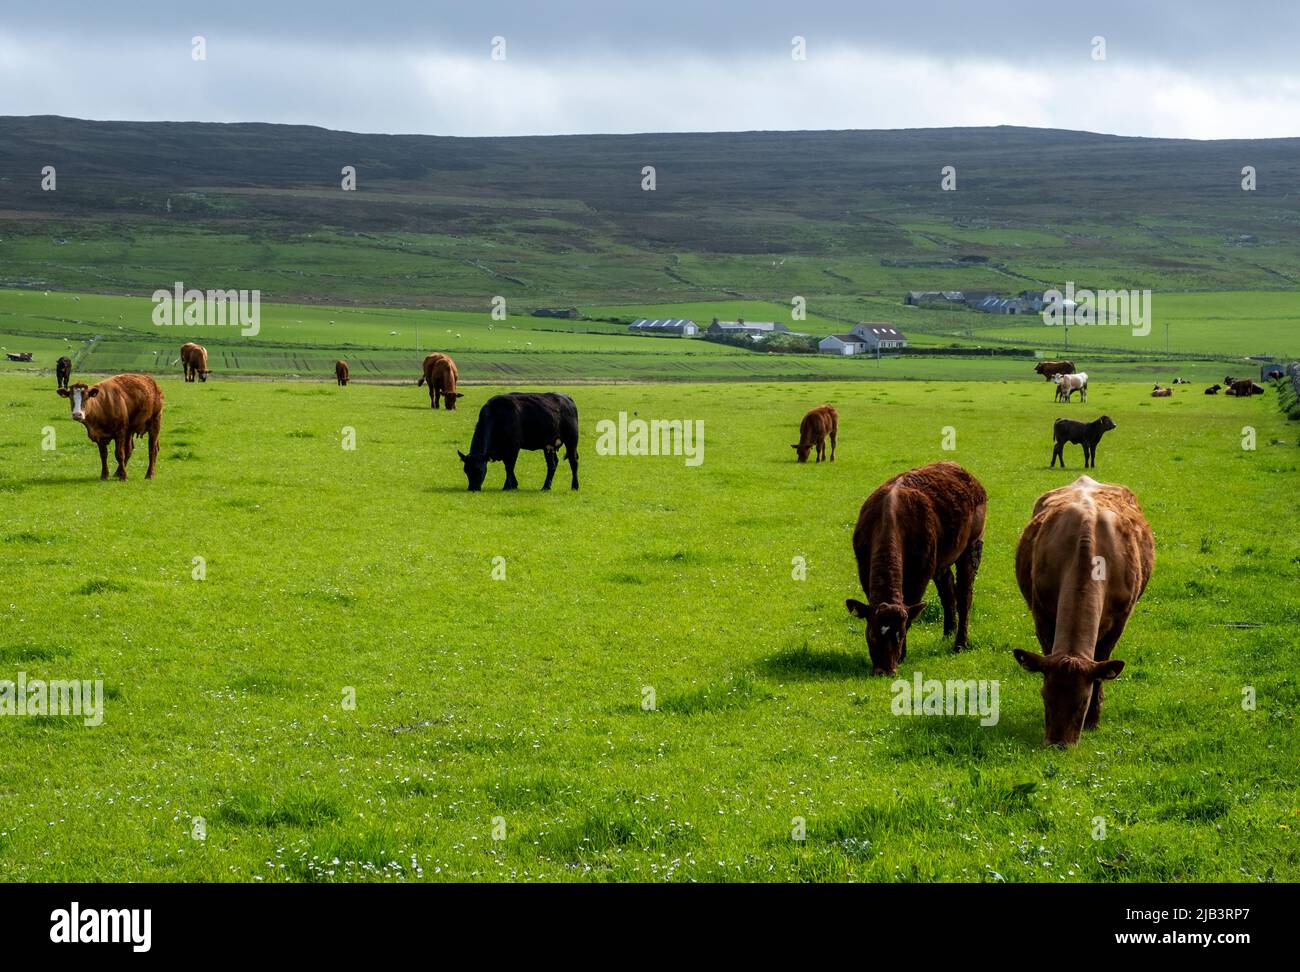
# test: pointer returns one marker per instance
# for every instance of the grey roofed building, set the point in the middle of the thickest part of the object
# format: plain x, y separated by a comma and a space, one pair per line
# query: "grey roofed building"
752, 328
1002, 305
934, 296
842, 344
879, 336
679, 326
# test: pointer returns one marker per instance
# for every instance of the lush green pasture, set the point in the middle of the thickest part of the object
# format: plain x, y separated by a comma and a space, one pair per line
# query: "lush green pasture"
520, 699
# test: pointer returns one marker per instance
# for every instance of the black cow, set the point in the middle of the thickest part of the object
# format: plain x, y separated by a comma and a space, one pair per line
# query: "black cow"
522, 420
63, 371
1086, 434
1213, 390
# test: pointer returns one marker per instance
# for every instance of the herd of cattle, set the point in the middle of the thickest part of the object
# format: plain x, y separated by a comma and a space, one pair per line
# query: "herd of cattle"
921, 526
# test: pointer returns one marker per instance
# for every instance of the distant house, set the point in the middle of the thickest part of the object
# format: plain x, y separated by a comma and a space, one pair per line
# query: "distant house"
1002, 305
842, 344
918, 297
755, 329
879, 336
1033, 300
676, 326
973, 297
571, 313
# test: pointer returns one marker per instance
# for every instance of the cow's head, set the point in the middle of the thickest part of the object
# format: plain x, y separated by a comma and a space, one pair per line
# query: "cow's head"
1105, 423
451, 401
1040, 368
475, 470
801, 451
1067, 690
887, 626
203, 374
80, 394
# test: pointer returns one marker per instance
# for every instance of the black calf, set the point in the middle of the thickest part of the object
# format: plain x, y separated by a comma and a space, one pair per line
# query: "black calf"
1086, 434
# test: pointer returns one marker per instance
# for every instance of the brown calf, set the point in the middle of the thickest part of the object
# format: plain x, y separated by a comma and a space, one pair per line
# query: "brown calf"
1049, 368
819, 423
341, 371
1082, 563
1159, 392
912, 530
114, 411
441, 376
194, 357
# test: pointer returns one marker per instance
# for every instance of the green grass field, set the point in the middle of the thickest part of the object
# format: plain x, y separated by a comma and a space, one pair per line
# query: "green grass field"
514, 705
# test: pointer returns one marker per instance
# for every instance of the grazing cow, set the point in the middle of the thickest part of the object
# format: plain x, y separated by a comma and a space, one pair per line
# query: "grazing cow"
441, 376
910, 531
1067, 385
63, 371
341, 372
1049, 369
522, 420
1244, 388
195, 359
819, 423
1082, 563
1079, 433
115, 410
1213, 390
1159, 392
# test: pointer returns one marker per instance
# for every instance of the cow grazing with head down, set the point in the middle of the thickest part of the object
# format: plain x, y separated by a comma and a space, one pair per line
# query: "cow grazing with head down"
817, 425
912, 530
194, 357
1079, 433
1067, 385
522, 420
1049, 369
1082, 563
63, 371
114, 411
441, 376
341, 372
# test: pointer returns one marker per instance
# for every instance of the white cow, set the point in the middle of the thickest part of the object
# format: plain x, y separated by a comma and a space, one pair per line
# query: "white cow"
1067, 385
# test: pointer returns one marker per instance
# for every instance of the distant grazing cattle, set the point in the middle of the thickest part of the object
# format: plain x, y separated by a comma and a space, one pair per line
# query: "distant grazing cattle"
819, 423
341, 371
1213, 390
912, 530
1160, 392
195, 359
63, 371
1049, 369
114, 411
522, 420
1244, 388
1182, 381
1067, 385
441, 376
1082, 563
1079, 433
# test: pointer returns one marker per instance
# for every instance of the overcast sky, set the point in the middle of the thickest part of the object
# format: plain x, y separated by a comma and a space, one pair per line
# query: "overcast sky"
1191, 68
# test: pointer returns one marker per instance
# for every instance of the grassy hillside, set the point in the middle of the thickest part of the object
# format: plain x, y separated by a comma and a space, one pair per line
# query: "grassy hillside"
520, 699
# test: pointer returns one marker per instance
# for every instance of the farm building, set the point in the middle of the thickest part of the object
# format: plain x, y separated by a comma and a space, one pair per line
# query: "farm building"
879, 336
842, 344
754, 329
1003, 305
676, 326
917, 297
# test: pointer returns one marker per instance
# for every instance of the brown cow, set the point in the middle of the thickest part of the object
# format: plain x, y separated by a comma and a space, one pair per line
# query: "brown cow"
194, 357
441, 376
813, 430
1082, 563
341, 371
1159, 392
63, 371
114, 411
1049, 368
912, 530
1243, 388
